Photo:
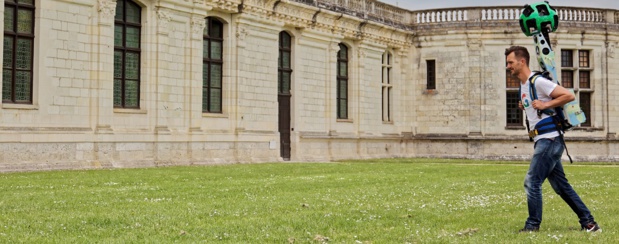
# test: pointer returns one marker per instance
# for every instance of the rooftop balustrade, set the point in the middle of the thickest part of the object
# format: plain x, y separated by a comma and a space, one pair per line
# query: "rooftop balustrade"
395, 16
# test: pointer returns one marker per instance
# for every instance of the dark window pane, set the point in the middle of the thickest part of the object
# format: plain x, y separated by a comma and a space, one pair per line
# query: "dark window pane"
31, 2
216, 76
514, 114
132, 88
566, 58
23, 81
25, 21
8, 52
120, 6
388, 75
216, 29
584, 79
583, 58
24, 54
118, 35
7, 83
342, 110
9, 18
343, 69
117, 92
216, 50
285, 81
133, 13
285, 59
431, 74
285, 40
585, 105
567, 78
205, 99
343, 52
343, 89
132, 37
205, 74
215, 101
132, 66
205, 49
118, 64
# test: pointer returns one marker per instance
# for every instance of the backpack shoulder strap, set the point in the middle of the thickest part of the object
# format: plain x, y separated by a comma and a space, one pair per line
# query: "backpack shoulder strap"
533, 93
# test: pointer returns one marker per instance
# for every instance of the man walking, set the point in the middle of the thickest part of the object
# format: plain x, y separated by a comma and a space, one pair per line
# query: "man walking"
549, 145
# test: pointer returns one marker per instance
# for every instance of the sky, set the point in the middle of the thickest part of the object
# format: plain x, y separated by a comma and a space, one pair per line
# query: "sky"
432, 4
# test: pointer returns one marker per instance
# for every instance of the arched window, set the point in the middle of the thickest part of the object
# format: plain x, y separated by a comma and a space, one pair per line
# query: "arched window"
212, 66
342, 82
127, 31
284, 63
18, 49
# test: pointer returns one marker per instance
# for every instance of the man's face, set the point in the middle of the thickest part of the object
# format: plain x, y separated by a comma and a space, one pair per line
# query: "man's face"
514, 65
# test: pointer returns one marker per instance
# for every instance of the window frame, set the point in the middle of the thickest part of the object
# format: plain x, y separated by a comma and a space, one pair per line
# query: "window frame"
574, 71
208, 62
342, 80
281, 67
124, 49
15, 35
430, 74
387, 86
514, 117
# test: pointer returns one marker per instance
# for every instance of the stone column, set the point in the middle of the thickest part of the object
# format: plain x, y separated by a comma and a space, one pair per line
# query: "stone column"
103, 99
194, 101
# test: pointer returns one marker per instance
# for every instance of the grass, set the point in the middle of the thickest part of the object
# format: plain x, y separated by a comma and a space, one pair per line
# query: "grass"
378, 201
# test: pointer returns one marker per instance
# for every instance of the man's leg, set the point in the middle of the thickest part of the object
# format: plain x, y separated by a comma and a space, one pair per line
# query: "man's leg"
541, 165
562, 187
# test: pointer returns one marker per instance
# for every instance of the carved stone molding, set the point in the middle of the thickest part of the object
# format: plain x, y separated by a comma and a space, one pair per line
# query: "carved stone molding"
163, 20
107, 10
197, 27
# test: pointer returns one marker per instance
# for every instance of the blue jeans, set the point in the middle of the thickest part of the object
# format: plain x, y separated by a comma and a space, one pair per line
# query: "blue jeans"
546, 163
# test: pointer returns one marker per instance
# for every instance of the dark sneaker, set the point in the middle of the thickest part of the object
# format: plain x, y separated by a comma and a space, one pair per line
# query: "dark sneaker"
528, 229
592, 227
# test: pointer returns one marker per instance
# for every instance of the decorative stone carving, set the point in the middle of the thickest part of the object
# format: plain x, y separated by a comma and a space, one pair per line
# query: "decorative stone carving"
197, 27
611, 50
241, 33
163, 20
335, 47
361, 53
107, 10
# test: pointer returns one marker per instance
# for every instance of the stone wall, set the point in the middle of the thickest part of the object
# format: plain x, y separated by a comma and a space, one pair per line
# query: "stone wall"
72, 122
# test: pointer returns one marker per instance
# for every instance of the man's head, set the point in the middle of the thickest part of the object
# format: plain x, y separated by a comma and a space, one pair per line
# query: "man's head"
517, 59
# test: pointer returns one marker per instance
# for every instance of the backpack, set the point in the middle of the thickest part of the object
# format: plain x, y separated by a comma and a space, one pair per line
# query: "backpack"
561, 118
568, 115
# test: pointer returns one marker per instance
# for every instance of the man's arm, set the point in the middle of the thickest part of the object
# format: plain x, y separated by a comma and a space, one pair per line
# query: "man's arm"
560, 96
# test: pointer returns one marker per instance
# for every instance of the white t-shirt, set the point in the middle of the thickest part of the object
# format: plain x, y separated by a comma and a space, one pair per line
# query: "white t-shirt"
543, 87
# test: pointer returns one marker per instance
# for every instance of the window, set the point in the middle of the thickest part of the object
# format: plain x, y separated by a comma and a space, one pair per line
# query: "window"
127, 31
514, 114
578, 78
284, 64
18, 49
342, 82
212, 66
431, 74
386, 85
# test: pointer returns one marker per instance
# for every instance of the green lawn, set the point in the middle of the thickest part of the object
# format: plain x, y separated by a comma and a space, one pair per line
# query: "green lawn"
377, 201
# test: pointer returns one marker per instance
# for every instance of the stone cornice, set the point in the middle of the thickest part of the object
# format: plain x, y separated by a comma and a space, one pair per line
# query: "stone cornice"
326, 21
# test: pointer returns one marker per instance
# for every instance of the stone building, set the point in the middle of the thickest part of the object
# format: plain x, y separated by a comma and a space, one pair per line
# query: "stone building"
133, 83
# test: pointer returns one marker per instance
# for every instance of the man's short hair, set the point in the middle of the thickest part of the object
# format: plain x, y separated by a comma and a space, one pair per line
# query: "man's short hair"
519, 52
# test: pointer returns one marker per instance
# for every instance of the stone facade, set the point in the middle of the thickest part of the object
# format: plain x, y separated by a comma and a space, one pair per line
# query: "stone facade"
72, 122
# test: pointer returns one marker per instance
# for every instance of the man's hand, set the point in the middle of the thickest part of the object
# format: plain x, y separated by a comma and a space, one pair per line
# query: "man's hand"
539, 105
520, 105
